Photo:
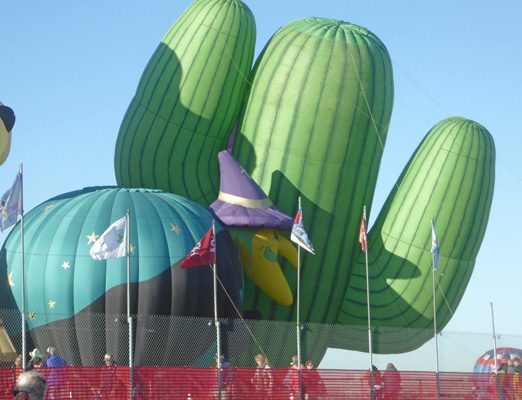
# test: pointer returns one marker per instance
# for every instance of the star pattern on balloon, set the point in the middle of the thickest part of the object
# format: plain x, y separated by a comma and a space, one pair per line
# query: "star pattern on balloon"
92, 238
51, 304
131, 248
9, 282
66, 265
175, 228
48, 207
31, 315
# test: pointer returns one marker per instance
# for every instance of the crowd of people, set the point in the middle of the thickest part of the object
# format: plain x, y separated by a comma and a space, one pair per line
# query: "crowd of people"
386, 384
29, 383
300, 380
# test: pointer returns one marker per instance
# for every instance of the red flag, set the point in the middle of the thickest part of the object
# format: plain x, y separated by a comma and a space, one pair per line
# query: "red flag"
362, 234
203, 253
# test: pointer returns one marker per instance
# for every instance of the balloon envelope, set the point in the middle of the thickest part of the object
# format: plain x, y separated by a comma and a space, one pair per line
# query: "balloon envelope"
487, 360
62, 280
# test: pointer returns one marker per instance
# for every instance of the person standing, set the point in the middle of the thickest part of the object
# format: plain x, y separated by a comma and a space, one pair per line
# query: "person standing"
109, 388
377, 381
313, 386
56, 379
291, 380
36, 360
227, 378
31, 385
391, 381
262, 379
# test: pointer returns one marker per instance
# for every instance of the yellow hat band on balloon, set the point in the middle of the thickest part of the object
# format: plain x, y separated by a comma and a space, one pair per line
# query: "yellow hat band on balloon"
243, 201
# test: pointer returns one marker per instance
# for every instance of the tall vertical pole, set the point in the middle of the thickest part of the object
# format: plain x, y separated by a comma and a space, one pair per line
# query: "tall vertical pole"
23, 267
129, 318
216, 322
298, 328
370, 349
435, 330
495, 352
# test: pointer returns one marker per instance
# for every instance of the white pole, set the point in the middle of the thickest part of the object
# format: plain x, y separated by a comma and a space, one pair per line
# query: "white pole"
435, 330
216, 322
23, 267
298, 308
495, 352
370, 350
129, 318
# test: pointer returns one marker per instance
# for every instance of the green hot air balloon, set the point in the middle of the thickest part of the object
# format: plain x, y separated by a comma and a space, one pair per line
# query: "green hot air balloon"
188, 101
316, 119
66, 290
315, 126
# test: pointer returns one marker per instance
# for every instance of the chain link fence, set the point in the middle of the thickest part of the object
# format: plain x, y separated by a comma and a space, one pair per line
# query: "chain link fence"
83, 340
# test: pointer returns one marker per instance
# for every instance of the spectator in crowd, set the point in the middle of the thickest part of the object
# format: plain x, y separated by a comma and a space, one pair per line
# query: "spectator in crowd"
517, 379
18, 361
377, 382
56, 379
36, 360
517, 366
291, 380
109, 387
391, 381
504, 382
31, 385
227, 377
313, 386
511, 366
262, 379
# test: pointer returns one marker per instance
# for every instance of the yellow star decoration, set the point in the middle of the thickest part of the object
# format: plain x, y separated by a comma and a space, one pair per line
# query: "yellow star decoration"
131, 248
9, 281
51, 304
66, 265
48, 207
31, 315
175, 228
92, 238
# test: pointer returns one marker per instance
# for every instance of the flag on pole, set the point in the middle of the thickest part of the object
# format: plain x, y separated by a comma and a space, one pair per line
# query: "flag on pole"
10, 205
299, 234
112, 243
362, 234
203, 253
434, 246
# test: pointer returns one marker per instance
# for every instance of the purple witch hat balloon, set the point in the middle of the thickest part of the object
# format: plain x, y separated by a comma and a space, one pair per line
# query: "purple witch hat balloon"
241, 202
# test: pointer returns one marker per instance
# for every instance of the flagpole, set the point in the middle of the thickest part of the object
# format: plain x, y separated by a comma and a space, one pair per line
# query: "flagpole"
298, 308
216, 322
495, 353
23, 267
129, 318
435, 322
370, 350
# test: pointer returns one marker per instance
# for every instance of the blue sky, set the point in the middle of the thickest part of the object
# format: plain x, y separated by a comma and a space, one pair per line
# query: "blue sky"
70, 69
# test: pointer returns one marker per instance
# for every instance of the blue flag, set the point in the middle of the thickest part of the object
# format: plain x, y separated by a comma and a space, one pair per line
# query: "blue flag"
299, 234
434, 246
10, 204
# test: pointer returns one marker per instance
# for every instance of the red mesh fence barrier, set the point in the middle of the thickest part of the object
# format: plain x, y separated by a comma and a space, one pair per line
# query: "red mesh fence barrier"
184, 383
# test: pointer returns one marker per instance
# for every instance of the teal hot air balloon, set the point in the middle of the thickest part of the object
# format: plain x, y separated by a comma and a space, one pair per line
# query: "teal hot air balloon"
188, 101
64, 285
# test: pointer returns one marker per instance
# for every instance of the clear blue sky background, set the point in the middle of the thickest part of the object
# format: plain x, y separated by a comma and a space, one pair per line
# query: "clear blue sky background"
70, 69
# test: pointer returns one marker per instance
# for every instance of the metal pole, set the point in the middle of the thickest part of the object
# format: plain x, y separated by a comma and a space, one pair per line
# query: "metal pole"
435, 330
495, 352
298, 309
370, 349
216, 322
24, 350
129, 318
